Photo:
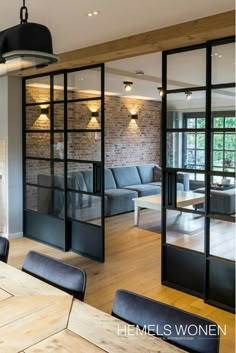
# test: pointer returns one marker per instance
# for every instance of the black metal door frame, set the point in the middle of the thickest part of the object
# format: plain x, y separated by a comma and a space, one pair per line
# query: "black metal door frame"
50, 229
201, 279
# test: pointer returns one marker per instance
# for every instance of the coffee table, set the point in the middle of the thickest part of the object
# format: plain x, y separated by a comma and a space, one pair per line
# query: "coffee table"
184, 198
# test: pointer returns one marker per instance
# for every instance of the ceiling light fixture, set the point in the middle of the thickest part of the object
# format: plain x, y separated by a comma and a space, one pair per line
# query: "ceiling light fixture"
188, 95
93, 13
26, 45
128, 85
139, 72
161, 91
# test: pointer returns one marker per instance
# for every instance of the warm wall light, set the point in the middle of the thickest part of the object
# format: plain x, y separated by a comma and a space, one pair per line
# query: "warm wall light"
94, 114
134, 116
161, 91
44, 111
188, 95
128, 85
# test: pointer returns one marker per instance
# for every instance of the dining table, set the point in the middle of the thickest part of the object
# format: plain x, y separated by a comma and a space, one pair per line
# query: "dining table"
36, 317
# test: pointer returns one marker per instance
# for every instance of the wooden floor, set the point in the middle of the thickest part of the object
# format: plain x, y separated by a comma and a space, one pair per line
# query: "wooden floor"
132, 262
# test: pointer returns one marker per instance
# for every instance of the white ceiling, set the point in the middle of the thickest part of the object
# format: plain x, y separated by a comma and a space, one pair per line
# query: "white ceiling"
71, 28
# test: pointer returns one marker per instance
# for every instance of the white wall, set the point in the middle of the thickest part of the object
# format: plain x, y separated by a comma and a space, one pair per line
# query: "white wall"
11, 133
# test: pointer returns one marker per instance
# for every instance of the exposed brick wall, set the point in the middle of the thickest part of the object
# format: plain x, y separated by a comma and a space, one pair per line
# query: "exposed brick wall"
127, 141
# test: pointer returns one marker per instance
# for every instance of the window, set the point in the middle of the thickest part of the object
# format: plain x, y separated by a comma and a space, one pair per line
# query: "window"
194, 143
223, 141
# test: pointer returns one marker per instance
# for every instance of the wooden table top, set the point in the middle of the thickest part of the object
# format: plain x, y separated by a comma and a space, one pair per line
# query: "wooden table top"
38, 318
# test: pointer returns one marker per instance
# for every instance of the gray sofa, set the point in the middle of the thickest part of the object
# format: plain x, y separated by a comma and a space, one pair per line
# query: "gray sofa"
123, 184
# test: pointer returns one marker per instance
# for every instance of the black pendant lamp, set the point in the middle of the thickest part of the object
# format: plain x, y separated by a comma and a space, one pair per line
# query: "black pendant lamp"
25, 46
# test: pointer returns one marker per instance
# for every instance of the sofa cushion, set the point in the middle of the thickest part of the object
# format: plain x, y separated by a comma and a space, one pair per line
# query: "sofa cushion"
156, 173
146, 173
145, 189
88, 178
125, 176
222, 201
77, 181
119, 201
109, 180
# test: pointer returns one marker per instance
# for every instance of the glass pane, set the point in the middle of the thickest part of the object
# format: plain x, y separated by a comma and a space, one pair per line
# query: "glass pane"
222, 239
84, 115
185, 230
58, 89
200, 141
183, 113
223, 195
59, 116
84, 84
180, 66
59, 145
84, 146
59, 174
218, 141
230, 142
38, 145
38, 90
45, 201
201, 123
80, 176
218, 122
191, 123
230, 122
218, 159
86, 208
182, 150
223, 106
191, 191
223, 63
36, 170
38, 117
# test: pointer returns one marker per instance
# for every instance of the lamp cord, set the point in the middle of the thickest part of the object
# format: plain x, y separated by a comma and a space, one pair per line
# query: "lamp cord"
23, 13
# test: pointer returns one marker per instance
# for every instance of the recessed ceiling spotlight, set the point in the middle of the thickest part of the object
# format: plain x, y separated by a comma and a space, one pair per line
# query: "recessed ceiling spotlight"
161, 91
128, 85
139, 72
93, 13
188, 95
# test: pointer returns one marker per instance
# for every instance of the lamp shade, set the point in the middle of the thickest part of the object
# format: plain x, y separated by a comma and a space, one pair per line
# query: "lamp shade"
25, 46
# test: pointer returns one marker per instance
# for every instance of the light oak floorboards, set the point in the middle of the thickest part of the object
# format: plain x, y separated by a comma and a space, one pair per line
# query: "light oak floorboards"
133, 261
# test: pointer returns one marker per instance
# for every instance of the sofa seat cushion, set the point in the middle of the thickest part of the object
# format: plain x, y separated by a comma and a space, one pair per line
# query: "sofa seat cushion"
146, 173
145, 189
109, 180
222, 201
125, 176
119, 201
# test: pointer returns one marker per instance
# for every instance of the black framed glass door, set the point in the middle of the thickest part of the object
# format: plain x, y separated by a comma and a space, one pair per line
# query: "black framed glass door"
64, 160
198, 140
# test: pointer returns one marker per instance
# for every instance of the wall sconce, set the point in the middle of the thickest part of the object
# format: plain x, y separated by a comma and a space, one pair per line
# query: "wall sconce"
94, 115
128, 85
161, 91
134, 116
44, 111
188, 95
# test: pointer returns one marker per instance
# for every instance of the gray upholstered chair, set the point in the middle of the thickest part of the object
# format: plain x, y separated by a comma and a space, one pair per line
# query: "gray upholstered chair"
63, 276
198, 335
4, 249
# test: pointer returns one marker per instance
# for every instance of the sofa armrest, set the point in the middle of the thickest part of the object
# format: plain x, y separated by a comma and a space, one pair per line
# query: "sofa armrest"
183, 178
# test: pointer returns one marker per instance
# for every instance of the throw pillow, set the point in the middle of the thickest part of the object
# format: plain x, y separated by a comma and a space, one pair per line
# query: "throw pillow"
156, 173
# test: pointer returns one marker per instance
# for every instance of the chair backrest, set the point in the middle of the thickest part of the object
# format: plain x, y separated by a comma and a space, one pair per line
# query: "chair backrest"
185, 330
4, 249
64, 276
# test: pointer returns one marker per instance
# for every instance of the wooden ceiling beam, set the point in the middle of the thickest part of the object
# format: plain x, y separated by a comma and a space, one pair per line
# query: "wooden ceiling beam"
177, 36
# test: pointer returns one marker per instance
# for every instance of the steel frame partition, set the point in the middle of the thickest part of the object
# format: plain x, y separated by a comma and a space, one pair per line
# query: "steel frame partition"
63, 231
198, 273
